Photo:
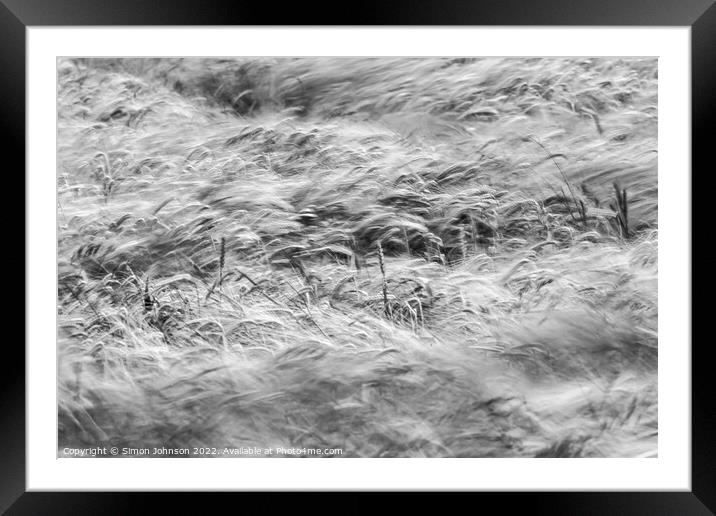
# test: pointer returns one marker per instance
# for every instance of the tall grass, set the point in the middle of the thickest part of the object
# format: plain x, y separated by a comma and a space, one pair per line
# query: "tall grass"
366, 254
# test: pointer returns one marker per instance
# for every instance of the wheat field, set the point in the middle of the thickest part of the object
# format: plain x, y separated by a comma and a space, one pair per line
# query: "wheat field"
393, 257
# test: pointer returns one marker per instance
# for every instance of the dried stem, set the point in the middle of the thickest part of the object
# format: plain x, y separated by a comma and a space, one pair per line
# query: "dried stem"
381, 261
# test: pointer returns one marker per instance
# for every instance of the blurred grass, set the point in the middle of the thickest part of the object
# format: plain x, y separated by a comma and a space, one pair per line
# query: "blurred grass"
514, 324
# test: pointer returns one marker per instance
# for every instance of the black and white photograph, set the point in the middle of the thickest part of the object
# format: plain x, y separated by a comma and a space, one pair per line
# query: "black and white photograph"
357, 257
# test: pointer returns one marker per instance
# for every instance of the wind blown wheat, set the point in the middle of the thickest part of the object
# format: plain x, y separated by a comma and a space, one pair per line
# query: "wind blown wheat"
364, 254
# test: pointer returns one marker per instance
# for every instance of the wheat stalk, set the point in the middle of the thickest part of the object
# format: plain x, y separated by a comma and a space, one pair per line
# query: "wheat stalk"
148, 303
463, 243
381, 262
622, 209
564, 176
222, 256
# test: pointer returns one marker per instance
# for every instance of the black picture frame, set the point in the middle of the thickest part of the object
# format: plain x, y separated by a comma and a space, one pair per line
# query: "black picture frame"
17, 15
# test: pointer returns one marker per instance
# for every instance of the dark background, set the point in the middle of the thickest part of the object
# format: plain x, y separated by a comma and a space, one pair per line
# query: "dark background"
15, 15
394, 12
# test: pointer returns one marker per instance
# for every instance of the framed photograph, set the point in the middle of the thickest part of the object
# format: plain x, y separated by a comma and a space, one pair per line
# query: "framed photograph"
421, 248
